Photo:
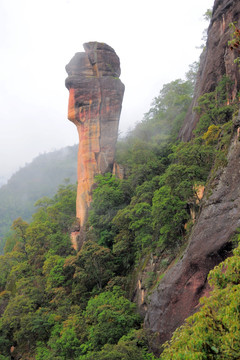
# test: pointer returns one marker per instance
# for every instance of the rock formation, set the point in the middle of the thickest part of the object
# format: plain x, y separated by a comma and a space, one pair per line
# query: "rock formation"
177, 295
95, 101
216, 60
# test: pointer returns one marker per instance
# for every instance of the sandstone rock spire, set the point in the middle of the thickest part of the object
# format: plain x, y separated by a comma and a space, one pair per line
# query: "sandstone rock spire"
95, 102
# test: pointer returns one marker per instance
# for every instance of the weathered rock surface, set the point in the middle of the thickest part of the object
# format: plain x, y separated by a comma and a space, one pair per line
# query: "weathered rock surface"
216, 60
177, 295
95, 101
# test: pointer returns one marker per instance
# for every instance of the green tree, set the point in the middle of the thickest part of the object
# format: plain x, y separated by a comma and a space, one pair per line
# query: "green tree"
18, 235
234, 43
109, 316
169, 215
94, 266
168, 109
216, 107
54, 271
7, 261
66, 339
108, 197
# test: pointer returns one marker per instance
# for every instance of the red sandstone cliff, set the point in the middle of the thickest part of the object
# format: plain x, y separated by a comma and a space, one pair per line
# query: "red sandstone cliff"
177, 295
95, 101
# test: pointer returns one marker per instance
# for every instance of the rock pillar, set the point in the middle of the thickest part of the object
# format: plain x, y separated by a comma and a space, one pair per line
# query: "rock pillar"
95, 102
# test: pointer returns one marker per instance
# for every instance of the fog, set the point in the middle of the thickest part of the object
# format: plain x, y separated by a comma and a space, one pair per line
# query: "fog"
156, 40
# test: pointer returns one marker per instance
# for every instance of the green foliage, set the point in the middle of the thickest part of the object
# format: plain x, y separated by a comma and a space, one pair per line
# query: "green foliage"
234, 43
51, 221
7, 261
109, 316
94, 266
134, 223
169, 214
213, 332
163, 177
65, 341
212, 135
17, 237
227, 273
39, 178
215, 107
169, 108
145, 150
194, 153
32, 271
143, 161
132, 346
108, 197
134, 226
59, 304
53, 268
208, 15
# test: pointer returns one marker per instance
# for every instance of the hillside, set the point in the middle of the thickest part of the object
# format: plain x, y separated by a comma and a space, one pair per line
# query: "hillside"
49, 292
56, 303
157, 275
39, 178
212, 117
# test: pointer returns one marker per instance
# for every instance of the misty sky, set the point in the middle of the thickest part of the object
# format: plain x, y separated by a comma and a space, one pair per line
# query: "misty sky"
156, 40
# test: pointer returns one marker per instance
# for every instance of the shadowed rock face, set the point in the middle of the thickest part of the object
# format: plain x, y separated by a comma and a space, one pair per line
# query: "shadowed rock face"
216, 60
95, 102
178, 293
177, 296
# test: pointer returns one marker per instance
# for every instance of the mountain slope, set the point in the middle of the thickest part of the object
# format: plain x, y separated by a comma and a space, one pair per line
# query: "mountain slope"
178, 293
39, 178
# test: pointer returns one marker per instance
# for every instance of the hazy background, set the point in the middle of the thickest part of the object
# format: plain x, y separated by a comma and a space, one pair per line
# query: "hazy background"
156, 40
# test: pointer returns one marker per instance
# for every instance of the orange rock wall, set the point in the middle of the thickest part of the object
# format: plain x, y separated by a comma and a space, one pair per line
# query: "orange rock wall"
95, 101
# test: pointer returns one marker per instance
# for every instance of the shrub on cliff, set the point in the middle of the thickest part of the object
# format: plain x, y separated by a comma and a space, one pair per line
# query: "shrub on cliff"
216, 107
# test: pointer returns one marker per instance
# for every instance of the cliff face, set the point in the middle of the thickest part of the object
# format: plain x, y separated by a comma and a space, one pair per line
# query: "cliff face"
95, 101
177, 295
216, 60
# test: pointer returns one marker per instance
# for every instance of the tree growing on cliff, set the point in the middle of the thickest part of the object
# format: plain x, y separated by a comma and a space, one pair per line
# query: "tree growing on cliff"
234, 43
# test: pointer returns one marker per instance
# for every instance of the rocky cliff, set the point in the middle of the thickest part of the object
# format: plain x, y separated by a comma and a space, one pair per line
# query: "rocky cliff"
95, 101
177, 295
216, 60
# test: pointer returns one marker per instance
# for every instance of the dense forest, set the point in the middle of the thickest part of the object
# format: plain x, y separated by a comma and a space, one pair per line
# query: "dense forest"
56, 303
39, 178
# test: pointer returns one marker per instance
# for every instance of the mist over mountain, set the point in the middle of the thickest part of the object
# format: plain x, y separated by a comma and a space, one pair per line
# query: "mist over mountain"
3, 181
37, 179
153, 271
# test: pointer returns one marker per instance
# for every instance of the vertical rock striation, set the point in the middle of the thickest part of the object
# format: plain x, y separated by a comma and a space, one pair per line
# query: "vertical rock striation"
216, 60
95, 102
178, 293
177, 296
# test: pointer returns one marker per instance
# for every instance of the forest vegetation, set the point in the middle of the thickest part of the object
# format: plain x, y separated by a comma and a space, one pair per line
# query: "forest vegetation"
39, 178
56, 303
